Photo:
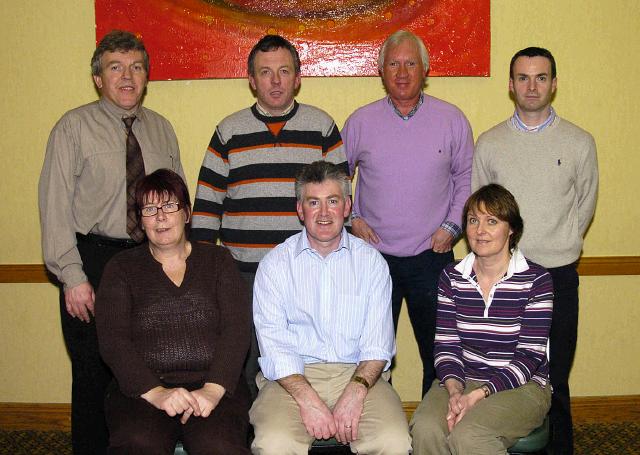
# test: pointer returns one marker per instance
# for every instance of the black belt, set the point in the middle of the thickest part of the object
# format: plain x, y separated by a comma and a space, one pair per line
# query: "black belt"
106, 241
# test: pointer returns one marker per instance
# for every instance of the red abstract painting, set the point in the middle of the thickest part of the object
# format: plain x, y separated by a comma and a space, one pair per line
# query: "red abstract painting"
198, 39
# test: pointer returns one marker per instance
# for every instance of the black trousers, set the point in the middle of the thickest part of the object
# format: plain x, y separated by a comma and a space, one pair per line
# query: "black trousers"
563, 339
251, 366
415, 278
90, 376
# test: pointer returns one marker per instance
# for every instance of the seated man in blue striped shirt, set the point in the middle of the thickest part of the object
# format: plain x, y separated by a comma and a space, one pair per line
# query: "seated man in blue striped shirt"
322, 311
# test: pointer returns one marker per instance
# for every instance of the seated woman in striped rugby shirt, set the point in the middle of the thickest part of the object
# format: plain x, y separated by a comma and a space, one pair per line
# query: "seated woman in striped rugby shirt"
494, 315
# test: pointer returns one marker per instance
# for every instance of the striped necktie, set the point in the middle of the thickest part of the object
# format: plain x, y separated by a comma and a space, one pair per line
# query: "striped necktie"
135, 172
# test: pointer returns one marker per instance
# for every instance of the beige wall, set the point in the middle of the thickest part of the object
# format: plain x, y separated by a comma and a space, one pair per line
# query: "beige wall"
46, 47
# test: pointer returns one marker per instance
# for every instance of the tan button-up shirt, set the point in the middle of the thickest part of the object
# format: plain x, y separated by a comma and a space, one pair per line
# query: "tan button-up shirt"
83, 181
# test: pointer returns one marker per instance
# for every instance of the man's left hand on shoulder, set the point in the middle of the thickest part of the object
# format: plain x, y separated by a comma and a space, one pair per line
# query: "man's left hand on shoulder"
441, 241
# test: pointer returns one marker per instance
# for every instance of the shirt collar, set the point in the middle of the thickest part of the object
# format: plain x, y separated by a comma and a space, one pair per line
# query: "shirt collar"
118, 111
520, 125
266, 113
303, 243
517, 264
412, 112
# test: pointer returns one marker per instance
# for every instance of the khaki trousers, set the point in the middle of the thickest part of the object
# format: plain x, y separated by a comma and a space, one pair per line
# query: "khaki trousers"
490, 427
278, 427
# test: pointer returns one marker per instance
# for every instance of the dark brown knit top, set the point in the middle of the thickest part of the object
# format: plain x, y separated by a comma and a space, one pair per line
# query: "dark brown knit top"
152, 332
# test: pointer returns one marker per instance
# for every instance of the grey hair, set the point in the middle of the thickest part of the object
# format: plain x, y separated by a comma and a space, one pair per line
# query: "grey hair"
319, 172
397, 38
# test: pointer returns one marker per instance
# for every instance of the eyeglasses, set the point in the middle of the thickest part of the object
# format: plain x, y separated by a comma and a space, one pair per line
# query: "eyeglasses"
167, 207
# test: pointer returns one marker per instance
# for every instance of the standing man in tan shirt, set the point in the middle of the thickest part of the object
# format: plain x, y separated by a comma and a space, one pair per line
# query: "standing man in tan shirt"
83, 209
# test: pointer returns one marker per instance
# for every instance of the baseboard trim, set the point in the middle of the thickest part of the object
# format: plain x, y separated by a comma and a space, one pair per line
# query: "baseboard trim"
54, 416
612, 409
35, 416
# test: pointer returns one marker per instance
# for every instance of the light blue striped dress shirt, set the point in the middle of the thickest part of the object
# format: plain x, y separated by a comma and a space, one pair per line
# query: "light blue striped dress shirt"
310, 309
517, 122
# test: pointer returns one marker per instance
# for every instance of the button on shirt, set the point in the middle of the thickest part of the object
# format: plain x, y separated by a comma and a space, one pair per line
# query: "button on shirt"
309, 309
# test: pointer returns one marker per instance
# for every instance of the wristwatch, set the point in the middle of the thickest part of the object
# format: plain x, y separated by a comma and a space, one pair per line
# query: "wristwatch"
361, 380
487, 391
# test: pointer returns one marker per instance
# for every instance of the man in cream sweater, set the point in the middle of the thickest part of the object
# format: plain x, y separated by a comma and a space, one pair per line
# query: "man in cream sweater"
550, 166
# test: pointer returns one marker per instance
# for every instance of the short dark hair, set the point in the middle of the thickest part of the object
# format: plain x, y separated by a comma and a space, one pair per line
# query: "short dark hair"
318, 172
270, 43
166, 184
534, 52
496, 200
118, 41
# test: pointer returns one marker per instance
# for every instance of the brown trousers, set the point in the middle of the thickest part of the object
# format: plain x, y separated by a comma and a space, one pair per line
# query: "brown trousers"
490, 427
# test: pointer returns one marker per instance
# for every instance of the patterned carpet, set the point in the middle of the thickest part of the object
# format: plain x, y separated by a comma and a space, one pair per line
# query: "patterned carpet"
607, 439
590, 439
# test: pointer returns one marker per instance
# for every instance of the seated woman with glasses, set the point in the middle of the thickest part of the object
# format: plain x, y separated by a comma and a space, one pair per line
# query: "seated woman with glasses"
173, 322
493, 321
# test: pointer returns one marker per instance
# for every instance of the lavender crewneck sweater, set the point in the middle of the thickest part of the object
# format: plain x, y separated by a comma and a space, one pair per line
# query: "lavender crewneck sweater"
412, 174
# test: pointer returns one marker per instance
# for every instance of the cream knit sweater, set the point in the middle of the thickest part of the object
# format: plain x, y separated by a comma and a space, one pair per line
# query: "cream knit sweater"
553, 175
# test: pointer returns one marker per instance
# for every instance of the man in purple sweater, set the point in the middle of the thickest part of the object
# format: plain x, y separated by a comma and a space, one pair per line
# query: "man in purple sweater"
413, 154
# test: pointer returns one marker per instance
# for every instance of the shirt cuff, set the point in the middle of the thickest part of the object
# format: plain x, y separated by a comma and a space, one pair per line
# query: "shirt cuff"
452, 228
274, 368
73, 275
377, 354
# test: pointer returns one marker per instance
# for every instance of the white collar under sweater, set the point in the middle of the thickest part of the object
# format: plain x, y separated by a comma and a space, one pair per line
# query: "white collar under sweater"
517, 264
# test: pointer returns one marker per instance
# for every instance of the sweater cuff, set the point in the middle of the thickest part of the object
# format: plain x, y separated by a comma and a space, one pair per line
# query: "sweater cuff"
224, 380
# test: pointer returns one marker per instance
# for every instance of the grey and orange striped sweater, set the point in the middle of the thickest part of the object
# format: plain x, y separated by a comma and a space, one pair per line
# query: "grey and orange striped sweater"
245, 194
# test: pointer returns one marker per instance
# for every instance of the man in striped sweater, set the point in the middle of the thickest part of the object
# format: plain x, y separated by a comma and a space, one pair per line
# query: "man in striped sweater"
245, 195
